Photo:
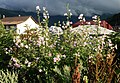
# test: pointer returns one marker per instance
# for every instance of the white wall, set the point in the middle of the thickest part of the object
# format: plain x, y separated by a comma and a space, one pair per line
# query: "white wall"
22, 26
92, 29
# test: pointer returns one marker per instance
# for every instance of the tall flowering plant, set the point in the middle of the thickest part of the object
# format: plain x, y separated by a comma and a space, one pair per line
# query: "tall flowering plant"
60, 53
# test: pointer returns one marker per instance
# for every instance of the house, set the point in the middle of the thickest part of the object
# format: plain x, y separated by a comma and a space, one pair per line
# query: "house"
102, 24
92, 27
116, 28
20, 23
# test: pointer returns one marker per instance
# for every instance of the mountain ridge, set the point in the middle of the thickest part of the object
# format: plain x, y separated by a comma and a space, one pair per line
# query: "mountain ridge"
52, 20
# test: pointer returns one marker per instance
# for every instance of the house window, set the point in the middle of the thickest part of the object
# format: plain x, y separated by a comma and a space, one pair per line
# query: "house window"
10, 27
7, 27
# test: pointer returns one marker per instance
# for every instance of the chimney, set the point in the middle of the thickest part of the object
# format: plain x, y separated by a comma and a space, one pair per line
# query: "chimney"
3, 16
19, 15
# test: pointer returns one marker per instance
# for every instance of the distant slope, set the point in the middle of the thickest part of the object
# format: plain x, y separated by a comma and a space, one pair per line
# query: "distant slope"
12, 13
114, 20
53, 19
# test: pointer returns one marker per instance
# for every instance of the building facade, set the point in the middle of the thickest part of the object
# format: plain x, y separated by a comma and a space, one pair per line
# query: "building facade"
19, 24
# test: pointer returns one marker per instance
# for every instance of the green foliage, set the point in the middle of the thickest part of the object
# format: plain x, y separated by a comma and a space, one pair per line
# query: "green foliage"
8, 77
6, 43
70, 56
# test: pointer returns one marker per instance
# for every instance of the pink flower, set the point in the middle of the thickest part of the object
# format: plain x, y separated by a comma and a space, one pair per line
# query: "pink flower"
14, 60
50, 54
17, 65
55, 59
75, 44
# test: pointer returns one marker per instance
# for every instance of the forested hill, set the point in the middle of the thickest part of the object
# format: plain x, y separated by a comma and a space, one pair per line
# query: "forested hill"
12, 13
114, 20
53, 19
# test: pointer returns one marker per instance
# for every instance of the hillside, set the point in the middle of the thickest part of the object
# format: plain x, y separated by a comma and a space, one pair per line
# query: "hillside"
114, 20
11, 13
53, 19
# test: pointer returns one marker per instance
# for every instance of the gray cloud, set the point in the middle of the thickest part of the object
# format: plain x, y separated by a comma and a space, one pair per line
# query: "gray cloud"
58, 7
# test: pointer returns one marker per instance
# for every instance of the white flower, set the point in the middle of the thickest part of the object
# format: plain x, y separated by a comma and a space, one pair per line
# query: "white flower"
65, 14
89, 61
85, 43
64, 56
90, 57
85, 78
37, 58
110, 44
21, 44
18, 41
6, 52
14, 59
109, 41
46, 12
99, 21
84, 19
14, 40
91, 37
88, 23
95, 17
38, 8
71, 23
6, 49
45, 16
70, 14
116, 46
26, 46
96, 50
90, 42
26, 61
63, 27
29, 64
80, 16
68, 23
40, 70
108, 56
44, 8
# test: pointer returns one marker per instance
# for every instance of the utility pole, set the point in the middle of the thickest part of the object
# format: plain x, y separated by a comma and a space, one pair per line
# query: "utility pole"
0, 16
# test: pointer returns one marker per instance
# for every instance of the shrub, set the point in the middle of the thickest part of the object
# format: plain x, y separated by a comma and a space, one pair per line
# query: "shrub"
6, 44
8, 77
62, 56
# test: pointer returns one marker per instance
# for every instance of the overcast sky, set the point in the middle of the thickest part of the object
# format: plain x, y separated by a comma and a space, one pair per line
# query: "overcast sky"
58, 7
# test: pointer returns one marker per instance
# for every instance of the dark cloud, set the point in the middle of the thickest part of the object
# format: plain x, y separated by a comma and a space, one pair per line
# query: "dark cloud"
87, 7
